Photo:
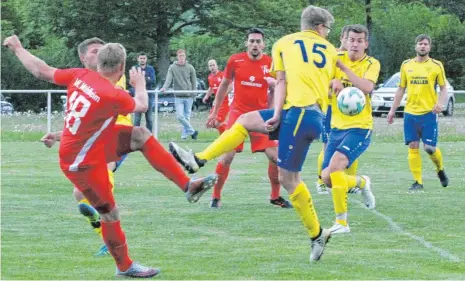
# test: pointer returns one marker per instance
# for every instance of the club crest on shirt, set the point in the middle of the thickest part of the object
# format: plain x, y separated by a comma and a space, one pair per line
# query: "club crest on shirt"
265, 69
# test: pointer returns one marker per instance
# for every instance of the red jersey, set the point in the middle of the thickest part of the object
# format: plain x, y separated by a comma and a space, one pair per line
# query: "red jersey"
214, 81
250, 86
91, 110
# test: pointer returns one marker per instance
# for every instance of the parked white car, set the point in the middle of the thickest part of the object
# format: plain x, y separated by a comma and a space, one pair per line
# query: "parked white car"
383, 97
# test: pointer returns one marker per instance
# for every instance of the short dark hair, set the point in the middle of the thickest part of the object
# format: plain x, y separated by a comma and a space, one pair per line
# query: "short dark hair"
141, 54
358, 28
422, 37
254, 30
84, 45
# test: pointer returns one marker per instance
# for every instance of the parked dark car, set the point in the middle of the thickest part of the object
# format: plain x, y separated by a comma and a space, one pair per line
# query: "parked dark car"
165, 102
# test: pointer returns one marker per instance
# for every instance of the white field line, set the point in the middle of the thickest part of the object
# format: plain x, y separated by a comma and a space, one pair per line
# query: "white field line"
443, 253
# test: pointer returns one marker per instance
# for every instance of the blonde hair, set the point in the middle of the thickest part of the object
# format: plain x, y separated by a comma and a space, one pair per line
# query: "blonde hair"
313, 16
110, 57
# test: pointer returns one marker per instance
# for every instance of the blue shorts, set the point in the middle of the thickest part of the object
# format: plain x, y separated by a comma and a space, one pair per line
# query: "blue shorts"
326, 125
119, 162
421, 126
350, 142
299, 127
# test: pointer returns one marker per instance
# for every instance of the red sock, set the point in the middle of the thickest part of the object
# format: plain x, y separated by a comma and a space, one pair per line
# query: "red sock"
162, 161
223, 172
115, 240
222, 128
274, 180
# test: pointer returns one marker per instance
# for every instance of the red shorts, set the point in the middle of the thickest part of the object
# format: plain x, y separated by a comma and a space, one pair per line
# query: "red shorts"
119, 142
95, 185
93, 181
258, 141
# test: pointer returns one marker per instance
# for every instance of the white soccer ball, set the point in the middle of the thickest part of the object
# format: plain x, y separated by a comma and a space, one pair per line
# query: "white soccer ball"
351, 101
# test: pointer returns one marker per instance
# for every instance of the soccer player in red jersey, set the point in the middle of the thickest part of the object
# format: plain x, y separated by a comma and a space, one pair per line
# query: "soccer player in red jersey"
250, 73
88, 141
157, 155
214, 80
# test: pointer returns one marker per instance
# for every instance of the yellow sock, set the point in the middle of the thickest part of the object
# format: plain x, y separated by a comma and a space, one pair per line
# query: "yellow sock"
352, 170
303, 204
320, 165
352, 181
436, 157
414, 162
340, 188
226, 142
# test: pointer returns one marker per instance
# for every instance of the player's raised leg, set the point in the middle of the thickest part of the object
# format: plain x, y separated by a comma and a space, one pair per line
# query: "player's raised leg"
226, 142
139, 138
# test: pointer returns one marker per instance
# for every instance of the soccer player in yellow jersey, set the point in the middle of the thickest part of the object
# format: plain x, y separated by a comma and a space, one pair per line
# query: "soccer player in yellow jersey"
420, 76
350, 135
304, 63
320, 185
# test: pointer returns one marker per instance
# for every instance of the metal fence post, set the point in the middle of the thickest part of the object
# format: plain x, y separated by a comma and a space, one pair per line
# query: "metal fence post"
49, 112
155, 111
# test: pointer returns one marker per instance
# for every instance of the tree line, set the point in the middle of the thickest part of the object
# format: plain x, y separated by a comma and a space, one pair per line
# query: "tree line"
215, 29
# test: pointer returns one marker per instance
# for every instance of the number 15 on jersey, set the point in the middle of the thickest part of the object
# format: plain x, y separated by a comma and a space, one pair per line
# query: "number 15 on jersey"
317, 50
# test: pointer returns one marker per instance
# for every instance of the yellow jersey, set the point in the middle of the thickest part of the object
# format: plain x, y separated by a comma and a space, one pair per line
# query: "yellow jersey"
420, 79
309, 61
122, 119
367, 68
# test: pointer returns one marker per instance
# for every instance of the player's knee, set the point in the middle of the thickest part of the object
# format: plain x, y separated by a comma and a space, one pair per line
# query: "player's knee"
227, 159
245, 120
139, 136
108, 211
430, 149
414, 145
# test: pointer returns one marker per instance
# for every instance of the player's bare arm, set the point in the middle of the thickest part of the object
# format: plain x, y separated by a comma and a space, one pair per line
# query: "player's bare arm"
365, 85
49, 139
207, 95
395, 104
137, 80
439, 106
336, 86
33, 64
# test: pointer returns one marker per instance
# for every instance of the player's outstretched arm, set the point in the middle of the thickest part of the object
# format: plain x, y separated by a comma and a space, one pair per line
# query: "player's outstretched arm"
137, 80
33, 64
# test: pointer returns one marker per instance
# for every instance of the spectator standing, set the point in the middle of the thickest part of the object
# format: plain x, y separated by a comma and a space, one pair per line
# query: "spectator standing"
150, 83
182, 76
